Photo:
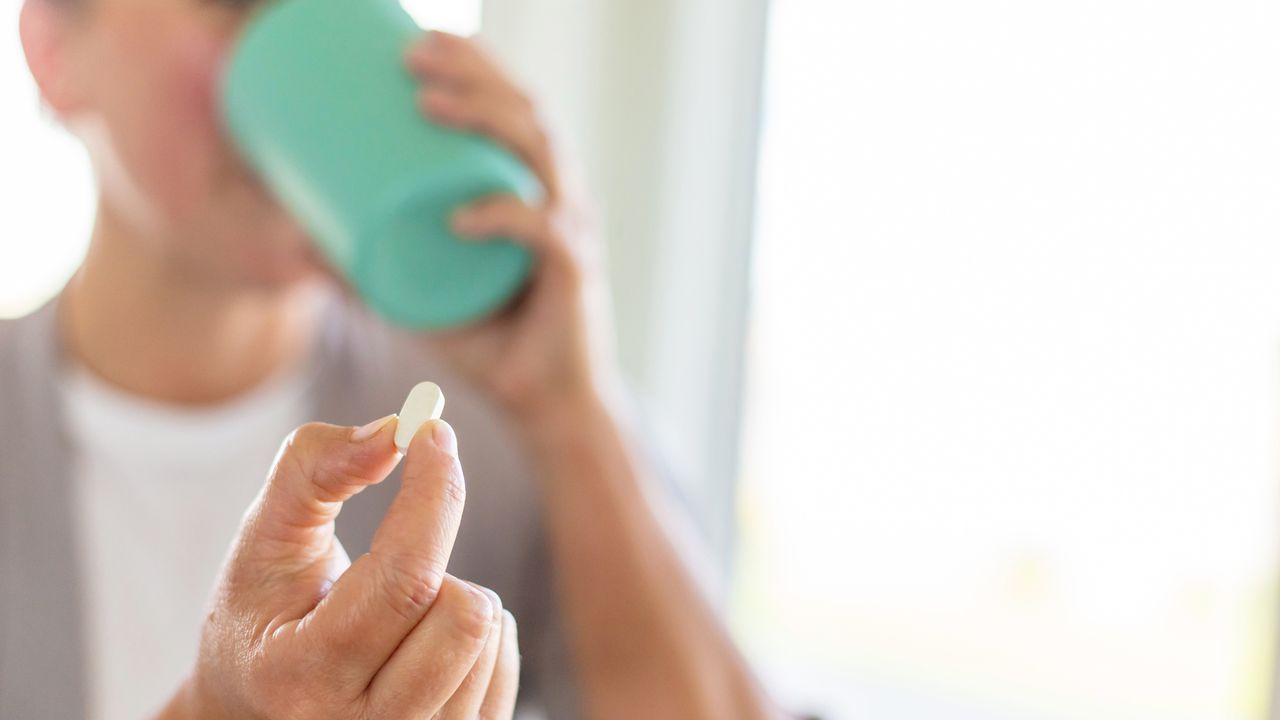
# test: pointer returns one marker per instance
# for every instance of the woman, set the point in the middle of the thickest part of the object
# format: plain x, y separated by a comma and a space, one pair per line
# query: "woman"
142, 406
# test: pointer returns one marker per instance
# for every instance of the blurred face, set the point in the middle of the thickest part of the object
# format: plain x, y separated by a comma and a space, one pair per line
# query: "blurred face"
148, 71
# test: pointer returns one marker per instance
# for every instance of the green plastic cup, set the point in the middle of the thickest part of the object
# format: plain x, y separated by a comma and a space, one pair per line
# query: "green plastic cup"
317, 98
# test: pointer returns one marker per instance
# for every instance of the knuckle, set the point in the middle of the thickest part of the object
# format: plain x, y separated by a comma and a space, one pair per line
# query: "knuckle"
525, 102
454, 486
574, 274
541, 136
306, 435
410, 585
529, 129
495, 603
548, 226
298, 444
470, 612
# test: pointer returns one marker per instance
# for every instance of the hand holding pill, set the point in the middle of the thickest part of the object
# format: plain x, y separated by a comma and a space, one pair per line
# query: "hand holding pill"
297, 629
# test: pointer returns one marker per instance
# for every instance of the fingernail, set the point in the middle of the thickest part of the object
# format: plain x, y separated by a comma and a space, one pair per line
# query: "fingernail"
443, 436
466, 223
364, 433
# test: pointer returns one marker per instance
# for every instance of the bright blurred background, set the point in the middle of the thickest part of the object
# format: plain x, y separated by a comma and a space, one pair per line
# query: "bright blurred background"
960, 319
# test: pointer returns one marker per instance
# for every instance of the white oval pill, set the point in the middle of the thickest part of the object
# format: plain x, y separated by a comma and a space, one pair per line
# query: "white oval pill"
425, 402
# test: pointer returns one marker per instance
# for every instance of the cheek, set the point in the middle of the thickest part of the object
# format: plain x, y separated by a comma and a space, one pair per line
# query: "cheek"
190, 89
176, 129
194, 83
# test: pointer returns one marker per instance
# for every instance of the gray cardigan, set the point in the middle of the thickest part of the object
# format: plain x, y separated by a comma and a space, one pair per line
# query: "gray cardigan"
364, 371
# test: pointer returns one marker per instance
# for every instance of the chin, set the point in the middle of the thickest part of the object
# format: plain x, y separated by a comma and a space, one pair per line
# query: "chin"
284, 274
264, 267
274, 255
281, 281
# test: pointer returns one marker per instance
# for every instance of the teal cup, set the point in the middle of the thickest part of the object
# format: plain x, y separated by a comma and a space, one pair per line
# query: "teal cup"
316, 97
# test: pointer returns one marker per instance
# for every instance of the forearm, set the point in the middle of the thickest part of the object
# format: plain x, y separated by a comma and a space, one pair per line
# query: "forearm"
648, 643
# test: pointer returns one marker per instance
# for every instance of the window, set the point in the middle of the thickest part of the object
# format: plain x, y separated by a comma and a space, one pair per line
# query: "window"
46, 185
1012, 397
46, 181
461, 17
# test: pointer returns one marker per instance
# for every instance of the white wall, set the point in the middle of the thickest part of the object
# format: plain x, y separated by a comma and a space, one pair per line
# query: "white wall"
661, 101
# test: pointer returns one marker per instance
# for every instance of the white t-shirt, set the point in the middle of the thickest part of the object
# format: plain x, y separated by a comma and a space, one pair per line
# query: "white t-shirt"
160, 492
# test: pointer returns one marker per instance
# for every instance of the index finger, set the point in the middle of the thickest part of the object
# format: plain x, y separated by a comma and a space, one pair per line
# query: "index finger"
386, 592
452, 59
478, 94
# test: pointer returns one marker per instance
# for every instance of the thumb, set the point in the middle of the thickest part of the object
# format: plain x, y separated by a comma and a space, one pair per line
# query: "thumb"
319, 467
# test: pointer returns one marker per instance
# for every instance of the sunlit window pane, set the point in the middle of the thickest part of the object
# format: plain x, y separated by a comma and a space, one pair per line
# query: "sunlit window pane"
461, 17
46, 190
1013, 368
